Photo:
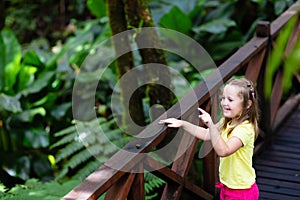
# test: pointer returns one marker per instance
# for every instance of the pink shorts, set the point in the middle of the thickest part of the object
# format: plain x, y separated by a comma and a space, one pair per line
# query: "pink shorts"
238, 194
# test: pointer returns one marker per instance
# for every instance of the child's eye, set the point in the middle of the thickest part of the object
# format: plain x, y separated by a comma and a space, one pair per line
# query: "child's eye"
230, 100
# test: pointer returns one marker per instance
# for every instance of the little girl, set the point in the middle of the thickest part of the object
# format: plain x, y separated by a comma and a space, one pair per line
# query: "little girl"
232, 138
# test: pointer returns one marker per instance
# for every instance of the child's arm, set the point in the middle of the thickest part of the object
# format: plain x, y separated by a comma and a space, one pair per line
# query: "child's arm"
197, 131
221, 147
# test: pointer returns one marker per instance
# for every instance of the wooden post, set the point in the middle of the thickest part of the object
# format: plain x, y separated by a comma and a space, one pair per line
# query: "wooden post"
137, 190
264, 30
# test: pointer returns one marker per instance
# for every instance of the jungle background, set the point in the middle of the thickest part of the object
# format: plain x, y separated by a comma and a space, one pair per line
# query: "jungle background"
42, 46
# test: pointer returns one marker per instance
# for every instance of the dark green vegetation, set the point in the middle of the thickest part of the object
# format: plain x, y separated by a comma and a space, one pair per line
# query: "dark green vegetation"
42, 46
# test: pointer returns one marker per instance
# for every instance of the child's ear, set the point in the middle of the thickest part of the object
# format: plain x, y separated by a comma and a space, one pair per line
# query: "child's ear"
249, 104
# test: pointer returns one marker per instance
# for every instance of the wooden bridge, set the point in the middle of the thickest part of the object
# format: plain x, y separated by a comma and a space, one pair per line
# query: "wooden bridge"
277, 151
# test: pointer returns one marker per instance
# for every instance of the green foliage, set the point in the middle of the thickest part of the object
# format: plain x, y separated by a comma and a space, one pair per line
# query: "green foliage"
152, 183
35, 98
36, 190
218, 26
86, 148
10, 58
31, 19
176, 20
97, 8
279, 57
20, 129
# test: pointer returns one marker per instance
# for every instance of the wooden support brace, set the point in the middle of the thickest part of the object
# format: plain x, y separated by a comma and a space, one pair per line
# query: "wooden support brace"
120, 190
137, 191
181, 166
276, 95
255, 66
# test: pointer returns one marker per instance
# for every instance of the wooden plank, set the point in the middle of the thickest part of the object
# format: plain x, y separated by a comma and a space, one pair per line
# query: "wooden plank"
291, 137
277, 183
275, 196
274, 156
285, 148
278, 164
290, 147
276, 176
281, 154
281, 191
289, 172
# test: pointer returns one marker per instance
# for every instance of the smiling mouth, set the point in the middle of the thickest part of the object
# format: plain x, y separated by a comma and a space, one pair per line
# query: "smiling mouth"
226, 108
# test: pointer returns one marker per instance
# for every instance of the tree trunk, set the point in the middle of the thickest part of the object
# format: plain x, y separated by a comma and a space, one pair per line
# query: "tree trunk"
2, 14
134, 109
138, 15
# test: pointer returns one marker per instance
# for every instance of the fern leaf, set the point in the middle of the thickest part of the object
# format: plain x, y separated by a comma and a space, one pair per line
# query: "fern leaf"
87, 170
79, 158
68, 150
66, 131
64, 140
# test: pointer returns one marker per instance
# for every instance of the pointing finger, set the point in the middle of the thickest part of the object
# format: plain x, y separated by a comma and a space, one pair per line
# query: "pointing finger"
202, 111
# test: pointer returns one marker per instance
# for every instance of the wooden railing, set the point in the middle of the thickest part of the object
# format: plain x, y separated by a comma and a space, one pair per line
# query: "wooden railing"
127, 181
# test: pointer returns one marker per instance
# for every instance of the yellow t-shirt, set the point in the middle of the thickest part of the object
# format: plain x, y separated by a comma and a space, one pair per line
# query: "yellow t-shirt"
236, 171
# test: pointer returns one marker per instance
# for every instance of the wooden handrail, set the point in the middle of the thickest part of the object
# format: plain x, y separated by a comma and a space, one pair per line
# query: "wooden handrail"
118, 182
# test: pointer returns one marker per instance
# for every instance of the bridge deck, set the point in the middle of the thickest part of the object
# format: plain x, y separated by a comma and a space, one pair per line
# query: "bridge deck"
278, 167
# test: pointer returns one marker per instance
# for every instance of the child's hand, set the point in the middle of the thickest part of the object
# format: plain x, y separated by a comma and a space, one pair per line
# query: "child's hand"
205, 117
171, 122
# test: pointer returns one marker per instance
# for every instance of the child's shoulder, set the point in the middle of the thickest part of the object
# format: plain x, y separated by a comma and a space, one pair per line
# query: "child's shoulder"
246, 126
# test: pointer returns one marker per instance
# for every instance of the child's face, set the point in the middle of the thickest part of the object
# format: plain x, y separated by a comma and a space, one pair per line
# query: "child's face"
232, 103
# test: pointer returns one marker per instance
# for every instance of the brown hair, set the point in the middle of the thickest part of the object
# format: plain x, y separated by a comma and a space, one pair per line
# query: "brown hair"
247, 92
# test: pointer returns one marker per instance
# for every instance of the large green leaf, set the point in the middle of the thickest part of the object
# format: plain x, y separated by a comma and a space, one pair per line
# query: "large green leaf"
10, 59
36, 137
218, 10
60, 111
280, 6
25, 77
41, 82
32, 59
97, 8
18, 165
9, 103
176, 20
28, 115
216, 26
